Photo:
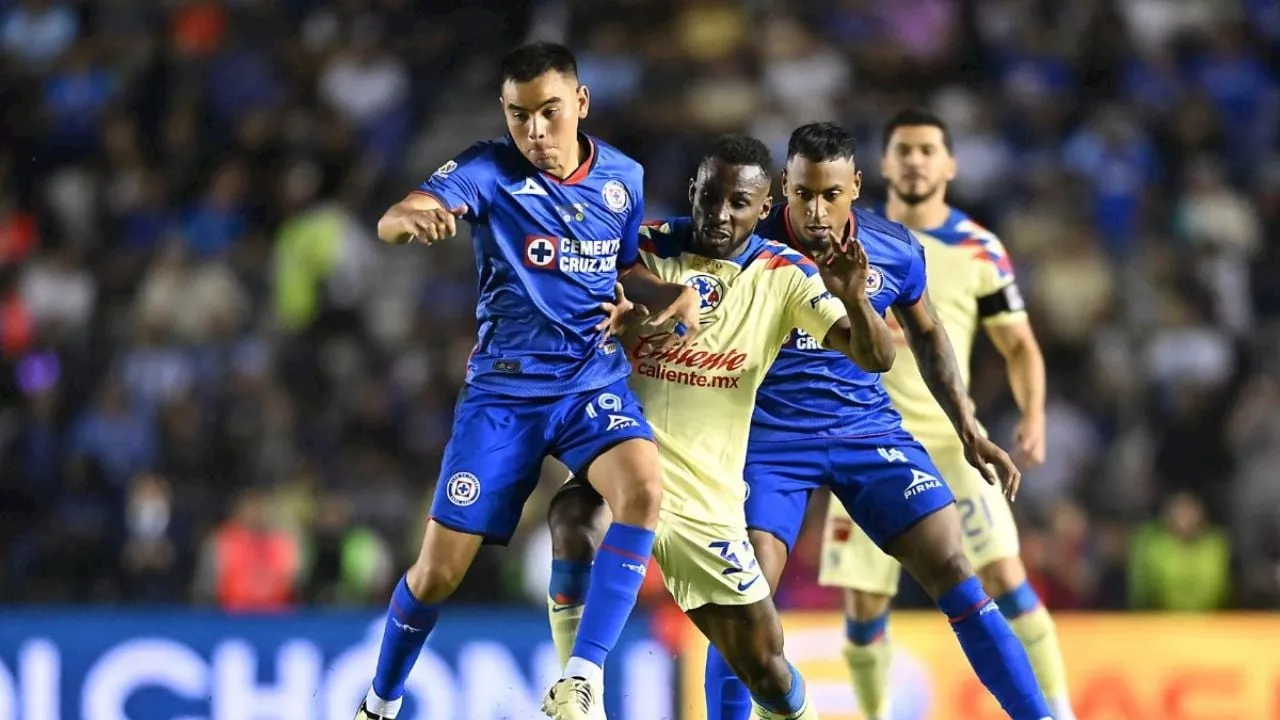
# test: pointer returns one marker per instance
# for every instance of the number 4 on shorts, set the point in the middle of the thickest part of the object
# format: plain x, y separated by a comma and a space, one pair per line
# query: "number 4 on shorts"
891, 454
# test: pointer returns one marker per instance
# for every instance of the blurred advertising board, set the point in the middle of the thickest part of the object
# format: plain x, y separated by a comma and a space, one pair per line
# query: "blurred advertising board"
104, 664
1120, 667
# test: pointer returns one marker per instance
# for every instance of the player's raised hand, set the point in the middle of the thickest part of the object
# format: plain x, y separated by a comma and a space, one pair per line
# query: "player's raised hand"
844, 268
995, 465
620, 314
434, 225
1029, 436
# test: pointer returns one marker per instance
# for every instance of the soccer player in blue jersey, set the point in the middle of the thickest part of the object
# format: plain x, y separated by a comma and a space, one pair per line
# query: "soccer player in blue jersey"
555, 216
821, 421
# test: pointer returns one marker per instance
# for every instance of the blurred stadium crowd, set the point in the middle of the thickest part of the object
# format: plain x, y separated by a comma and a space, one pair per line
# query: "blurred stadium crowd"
213, 380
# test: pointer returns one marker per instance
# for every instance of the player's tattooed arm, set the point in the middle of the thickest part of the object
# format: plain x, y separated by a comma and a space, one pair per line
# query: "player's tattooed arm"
420, 217
938, 365
941, 373
864, 337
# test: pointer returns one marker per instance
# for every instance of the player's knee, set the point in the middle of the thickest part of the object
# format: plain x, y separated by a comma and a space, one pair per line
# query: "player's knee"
865, 606
638, 502
572, 520
765, 672
944, 571
433, 582
1002, 576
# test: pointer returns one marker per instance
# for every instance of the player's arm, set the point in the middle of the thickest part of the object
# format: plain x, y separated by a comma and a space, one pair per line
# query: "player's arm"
658, 302
941, 373
431, 212
938, 365
419, 216
1010, 331
670, 300
862, 334
863, 337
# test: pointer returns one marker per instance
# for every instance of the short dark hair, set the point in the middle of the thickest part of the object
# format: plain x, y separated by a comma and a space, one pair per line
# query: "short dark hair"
536, 59
916, 117
822, 141
735, 149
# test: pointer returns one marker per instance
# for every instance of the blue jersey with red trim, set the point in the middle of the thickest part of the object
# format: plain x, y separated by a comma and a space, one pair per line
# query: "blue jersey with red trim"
812, 391
548, 253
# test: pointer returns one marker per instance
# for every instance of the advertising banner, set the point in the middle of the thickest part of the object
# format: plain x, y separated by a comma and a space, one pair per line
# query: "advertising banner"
124, 665
1120, 667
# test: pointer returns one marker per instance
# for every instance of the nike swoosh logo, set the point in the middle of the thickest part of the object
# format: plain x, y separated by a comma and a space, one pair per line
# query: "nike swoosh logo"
562, 608
742, 586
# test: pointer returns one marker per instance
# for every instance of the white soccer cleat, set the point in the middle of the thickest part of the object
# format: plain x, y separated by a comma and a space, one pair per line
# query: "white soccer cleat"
574, 698
364, 714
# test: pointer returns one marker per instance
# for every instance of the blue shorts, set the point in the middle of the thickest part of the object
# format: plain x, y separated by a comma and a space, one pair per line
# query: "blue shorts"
494, 458
886, 482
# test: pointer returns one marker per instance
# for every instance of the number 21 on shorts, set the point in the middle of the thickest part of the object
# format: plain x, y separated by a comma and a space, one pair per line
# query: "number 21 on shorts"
970, 520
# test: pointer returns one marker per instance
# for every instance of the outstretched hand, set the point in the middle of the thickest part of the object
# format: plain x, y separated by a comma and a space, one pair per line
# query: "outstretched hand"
620, 314
844, 268
995, 465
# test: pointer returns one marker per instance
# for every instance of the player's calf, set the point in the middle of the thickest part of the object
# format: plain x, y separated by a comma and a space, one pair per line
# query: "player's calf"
627, 475
1006, 580
932, 551
748, 640
577, 519
413, 611
867, 651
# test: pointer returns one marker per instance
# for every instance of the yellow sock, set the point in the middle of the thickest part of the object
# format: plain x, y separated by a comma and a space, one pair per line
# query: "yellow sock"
564, 627
1039, 636
869, 667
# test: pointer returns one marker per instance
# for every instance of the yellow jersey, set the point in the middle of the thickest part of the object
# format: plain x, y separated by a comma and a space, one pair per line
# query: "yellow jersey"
699, 399
970, 281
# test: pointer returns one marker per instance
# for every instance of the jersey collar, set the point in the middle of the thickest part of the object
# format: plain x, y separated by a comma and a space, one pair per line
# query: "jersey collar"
954, 218
750, 249
583, 170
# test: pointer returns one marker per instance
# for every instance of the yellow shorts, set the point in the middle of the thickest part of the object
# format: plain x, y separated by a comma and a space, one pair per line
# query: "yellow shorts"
707, 564
851, 560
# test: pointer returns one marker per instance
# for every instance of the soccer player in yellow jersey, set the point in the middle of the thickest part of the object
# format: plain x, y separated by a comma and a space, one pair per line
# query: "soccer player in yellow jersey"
699, 399
971, 283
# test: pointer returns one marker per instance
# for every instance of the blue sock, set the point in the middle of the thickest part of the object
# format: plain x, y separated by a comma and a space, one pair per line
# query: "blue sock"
569, 582
408, 624
1018, 601
994, 651
727, 696
793, 701
866, 632
615, 580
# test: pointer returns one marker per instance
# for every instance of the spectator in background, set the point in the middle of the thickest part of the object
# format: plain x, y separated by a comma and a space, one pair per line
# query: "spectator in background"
249, 564
153, 556
1180, 563
1223, 227
38, 31
60, 292
115, 437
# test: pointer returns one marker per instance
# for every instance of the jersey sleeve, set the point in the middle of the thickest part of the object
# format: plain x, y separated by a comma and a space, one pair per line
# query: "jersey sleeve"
914, 284
628, 249
810, 306
663, 238
999, 300
468, 179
